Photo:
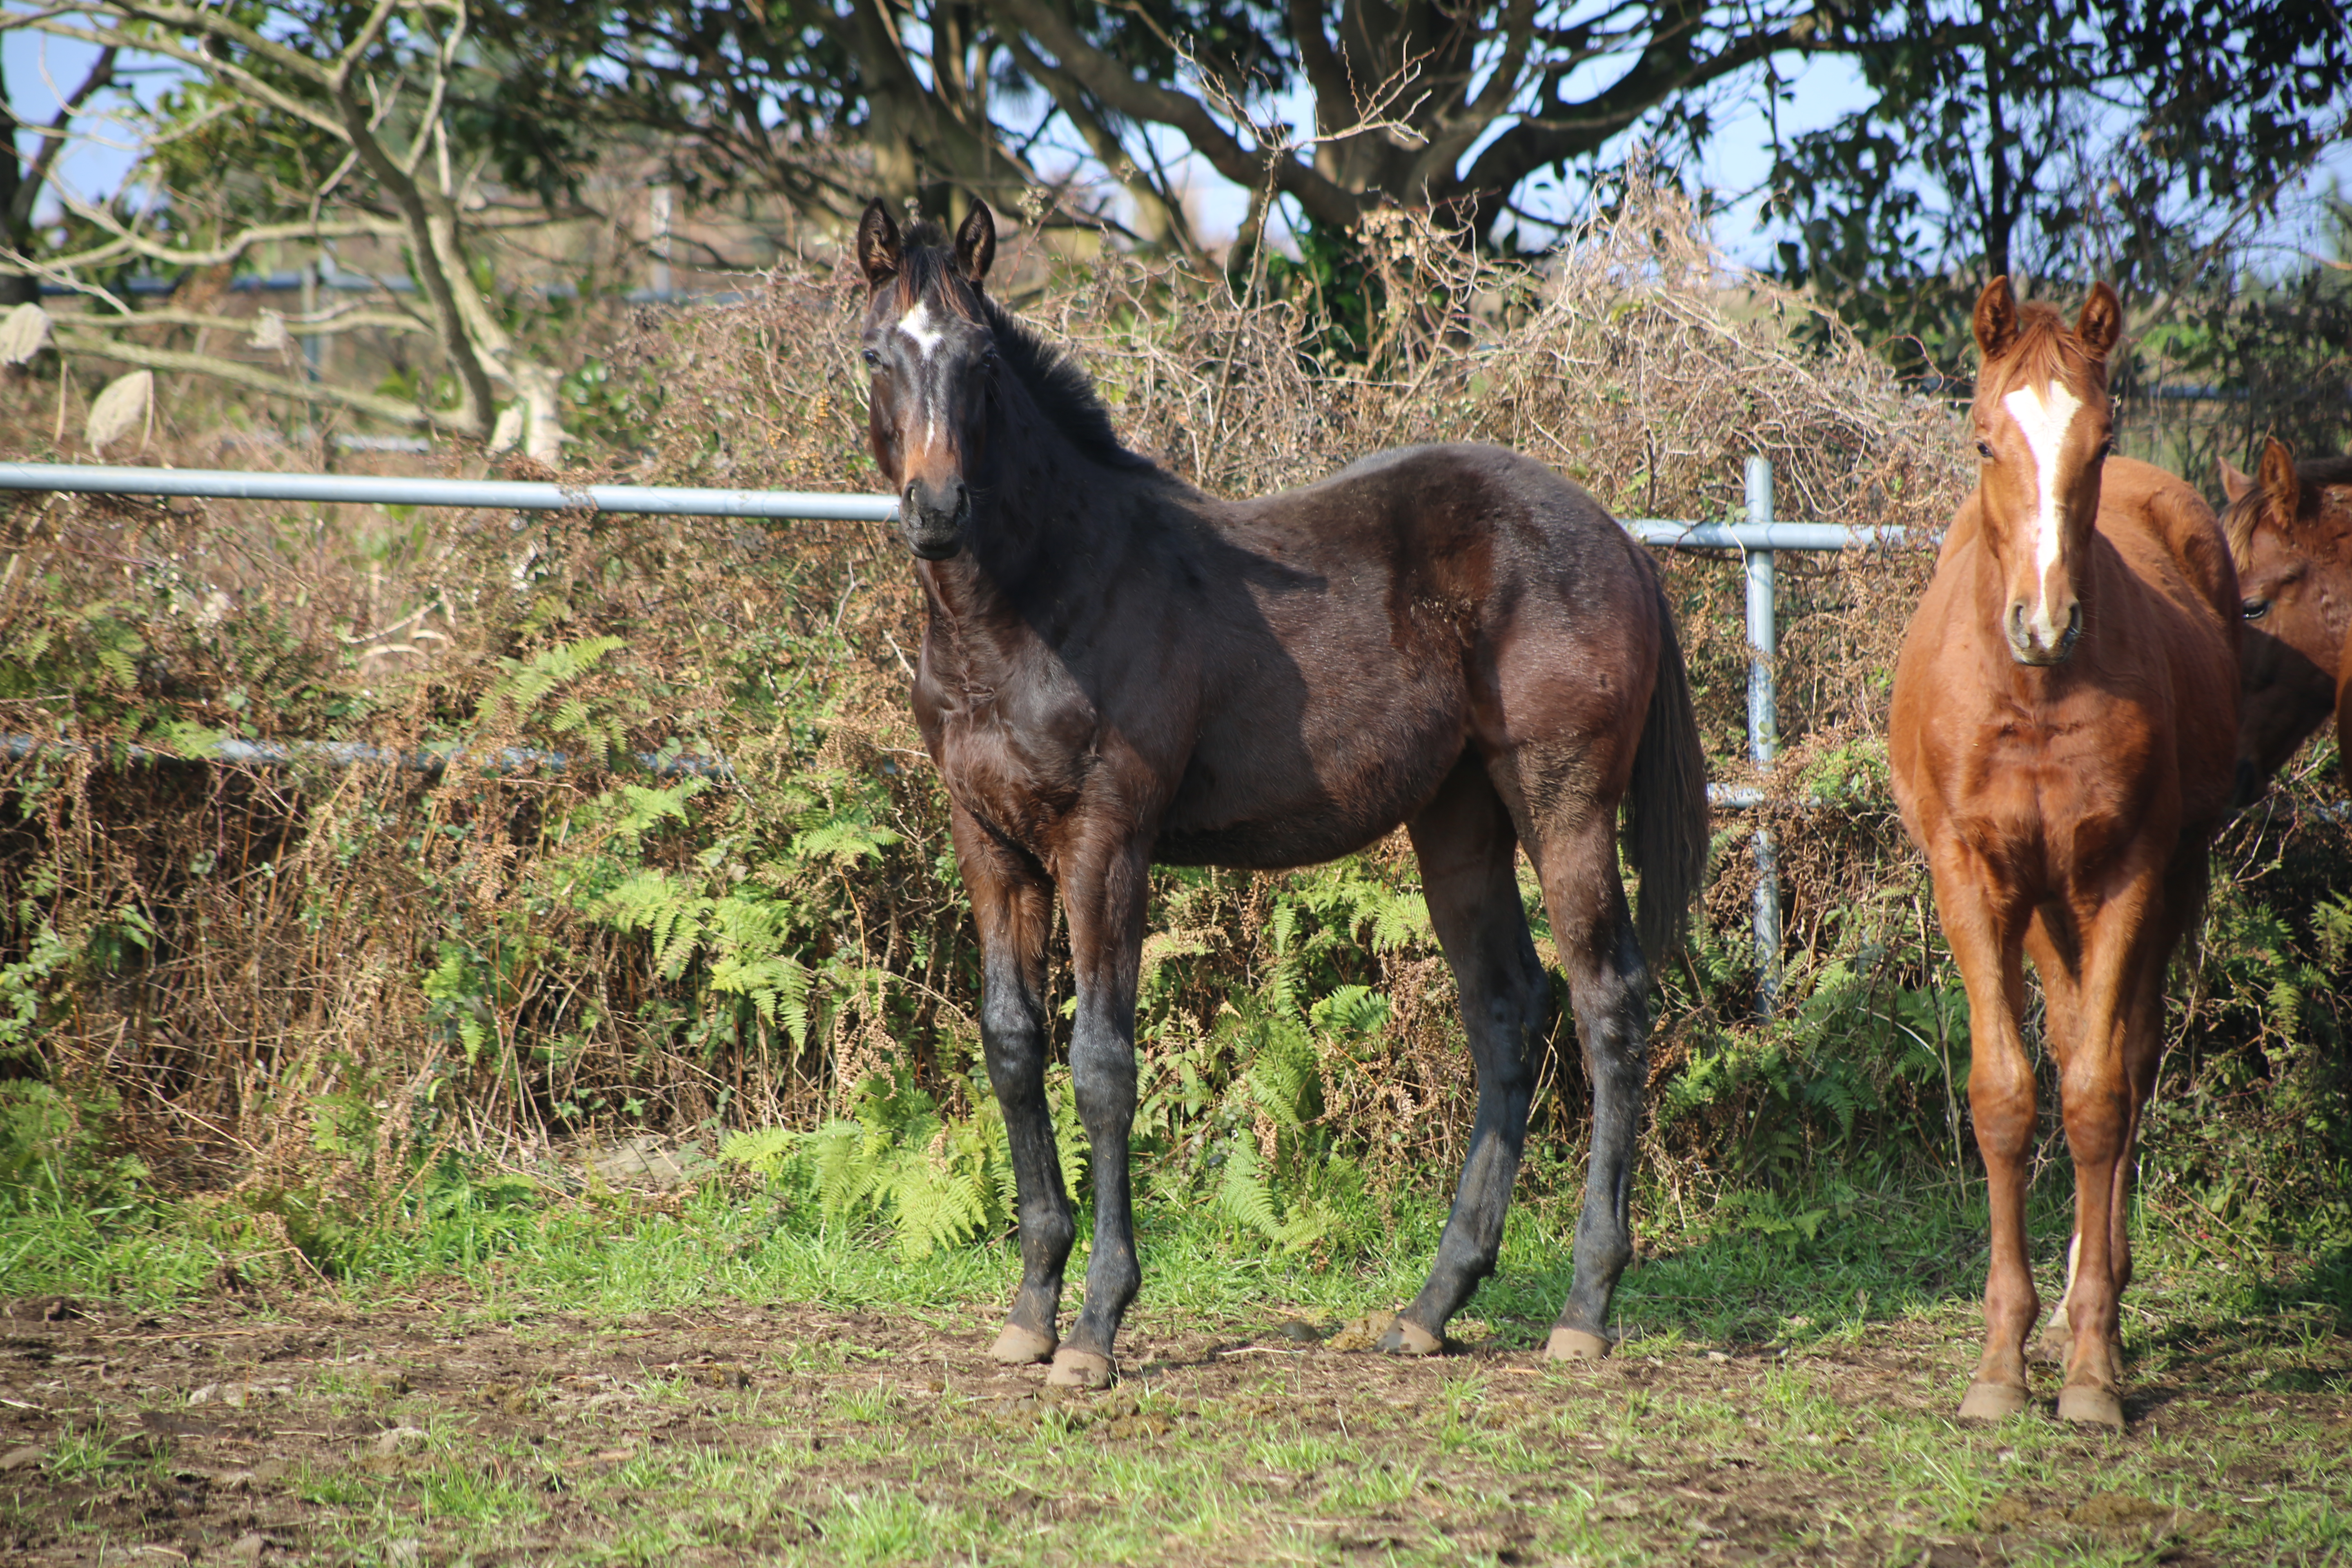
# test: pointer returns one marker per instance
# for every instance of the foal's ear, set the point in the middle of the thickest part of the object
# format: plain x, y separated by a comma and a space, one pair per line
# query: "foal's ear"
975, 242
2101, 325
2280, 488
877, 244
1996, 319
2235, 482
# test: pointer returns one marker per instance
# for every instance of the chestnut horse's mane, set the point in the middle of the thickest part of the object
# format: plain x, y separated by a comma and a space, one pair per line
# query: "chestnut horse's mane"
1064, 393
2241, 517
2045, 350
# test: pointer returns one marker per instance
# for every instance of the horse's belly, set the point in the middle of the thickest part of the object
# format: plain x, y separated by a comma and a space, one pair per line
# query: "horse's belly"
1265, 799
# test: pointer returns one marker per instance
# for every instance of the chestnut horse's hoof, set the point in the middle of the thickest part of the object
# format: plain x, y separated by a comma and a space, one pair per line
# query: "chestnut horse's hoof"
1405, 1337
1017, 1346
1993, 1402
1575, 1344
1080, 1369
2091, 1405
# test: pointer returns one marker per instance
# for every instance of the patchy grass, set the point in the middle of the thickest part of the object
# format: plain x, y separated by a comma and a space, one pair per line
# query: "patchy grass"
706, 1383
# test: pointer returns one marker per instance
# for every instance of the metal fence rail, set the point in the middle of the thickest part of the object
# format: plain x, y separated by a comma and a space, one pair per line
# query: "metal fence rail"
1759, 537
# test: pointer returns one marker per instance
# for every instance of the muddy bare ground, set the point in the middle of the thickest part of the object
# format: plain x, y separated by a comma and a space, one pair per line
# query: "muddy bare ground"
437, 1430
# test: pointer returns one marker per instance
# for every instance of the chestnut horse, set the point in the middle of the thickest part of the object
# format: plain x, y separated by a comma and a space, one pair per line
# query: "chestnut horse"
1118, 670
2065, 713
2290, 531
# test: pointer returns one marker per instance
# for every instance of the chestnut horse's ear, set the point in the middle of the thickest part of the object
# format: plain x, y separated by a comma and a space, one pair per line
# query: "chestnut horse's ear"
2235, 482
1996, 320
2278, 481
877, 244
2101, 325
975, 242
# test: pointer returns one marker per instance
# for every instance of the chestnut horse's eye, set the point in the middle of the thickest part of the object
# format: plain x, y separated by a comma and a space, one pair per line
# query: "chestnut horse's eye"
1984, 450
2106, 448
2254, 609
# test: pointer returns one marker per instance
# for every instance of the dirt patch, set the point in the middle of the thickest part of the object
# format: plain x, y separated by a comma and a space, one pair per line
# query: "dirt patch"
429, 1430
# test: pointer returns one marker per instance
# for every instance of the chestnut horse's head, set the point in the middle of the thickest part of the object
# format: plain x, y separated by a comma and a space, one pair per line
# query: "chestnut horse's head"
2290, 532
2042, 431
931, 347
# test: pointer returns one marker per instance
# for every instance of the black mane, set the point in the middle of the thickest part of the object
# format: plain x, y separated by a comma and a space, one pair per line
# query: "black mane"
1060, 388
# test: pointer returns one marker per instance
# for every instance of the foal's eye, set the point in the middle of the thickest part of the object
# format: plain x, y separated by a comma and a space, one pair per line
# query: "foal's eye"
1984, 450
873, 359
2255, 609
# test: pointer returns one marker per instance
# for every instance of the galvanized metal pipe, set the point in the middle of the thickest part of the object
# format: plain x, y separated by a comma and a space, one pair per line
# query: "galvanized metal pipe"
380, 489
1763, 727
96, 478
358, 753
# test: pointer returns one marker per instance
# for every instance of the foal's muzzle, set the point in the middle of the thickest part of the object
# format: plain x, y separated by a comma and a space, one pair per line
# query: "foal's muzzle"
2027, 646
935, 517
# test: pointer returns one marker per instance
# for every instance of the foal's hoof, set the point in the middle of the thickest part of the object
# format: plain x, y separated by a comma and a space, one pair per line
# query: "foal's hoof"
1405, 1337
2057, 1337
2090, 1405
1017, 1346
1575, 1344
1993, 1402
1080, 1369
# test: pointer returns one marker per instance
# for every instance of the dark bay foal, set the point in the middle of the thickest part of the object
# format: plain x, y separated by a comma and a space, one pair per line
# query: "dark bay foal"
1118, 670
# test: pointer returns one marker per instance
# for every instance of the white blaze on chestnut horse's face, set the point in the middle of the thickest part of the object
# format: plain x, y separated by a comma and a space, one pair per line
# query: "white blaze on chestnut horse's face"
2044, 416
2043, 432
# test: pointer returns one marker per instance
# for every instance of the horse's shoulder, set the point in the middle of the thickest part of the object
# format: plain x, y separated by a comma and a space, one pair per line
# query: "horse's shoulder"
2173, 514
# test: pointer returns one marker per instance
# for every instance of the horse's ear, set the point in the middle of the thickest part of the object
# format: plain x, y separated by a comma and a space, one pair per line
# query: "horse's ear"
1996, 319
2101, 325
2235, 482
975, 242
877, 244
2278, 481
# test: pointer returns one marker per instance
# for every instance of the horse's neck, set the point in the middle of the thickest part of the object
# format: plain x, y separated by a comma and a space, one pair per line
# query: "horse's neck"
1052, 532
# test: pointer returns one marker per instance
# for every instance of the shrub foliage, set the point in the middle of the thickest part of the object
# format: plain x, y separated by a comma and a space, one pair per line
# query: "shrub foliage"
554, 916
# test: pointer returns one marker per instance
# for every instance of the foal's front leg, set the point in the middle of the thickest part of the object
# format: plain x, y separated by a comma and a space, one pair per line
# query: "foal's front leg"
1985, 925
1105, 894
1013, 905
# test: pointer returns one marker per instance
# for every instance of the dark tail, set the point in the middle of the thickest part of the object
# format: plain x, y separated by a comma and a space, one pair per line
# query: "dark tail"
1665, 803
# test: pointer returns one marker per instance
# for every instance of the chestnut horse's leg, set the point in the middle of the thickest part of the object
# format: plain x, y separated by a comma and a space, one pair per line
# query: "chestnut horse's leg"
1013, 905
2141, 925
1466, 847
1609, 986
1984, 922
2057, 962
2097, 1093
1105, 892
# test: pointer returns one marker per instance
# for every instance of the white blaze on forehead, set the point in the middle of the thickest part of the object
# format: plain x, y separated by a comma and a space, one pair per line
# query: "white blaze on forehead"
2044, 414
917, 325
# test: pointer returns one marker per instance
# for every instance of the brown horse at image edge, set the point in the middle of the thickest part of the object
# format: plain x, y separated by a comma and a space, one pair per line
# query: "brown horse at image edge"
1119, 669
2064, 725
2290, 531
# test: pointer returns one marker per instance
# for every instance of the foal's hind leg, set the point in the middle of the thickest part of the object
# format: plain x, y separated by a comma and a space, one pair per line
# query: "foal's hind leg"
1465, 844
1576, 859
1013, 905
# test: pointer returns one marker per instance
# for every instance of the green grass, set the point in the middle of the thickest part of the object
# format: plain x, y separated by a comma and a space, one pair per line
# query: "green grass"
1778, 1398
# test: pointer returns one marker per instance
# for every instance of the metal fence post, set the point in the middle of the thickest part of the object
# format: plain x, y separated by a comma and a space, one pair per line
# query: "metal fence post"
1763, 732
